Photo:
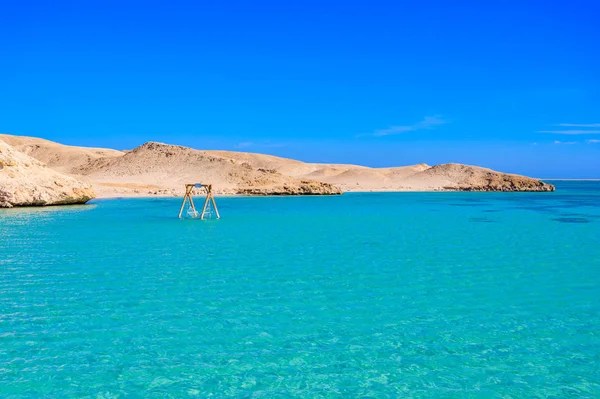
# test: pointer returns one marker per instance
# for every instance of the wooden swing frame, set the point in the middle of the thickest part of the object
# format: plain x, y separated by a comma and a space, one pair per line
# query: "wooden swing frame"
189, 188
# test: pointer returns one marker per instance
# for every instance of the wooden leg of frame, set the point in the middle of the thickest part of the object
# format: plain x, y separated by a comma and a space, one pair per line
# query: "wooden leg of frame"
204, 207
193, 206
183, 203
215, 206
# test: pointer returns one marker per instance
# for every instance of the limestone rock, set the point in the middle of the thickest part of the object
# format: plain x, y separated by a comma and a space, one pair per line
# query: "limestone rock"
299, 187
458, 177
25, 181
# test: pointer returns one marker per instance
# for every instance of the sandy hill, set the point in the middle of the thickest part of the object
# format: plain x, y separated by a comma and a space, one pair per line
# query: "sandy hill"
25, 181
162, 169
348, 177
362, 178
63, 158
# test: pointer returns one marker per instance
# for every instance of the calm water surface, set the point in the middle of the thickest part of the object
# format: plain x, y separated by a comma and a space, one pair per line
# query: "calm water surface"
424, 295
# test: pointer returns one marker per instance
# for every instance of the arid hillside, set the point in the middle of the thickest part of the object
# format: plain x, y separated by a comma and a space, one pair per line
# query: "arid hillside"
60, 157
162, 169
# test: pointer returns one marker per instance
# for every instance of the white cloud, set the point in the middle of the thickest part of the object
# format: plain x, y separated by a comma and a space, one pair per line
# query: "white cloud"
570, 132
593, 141
428, 123
579, 124
582, 128
565, 142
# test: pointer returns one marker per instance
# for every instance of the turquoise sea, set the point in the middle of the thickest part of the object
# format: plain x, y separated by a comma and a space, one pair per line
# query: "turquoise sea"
416, 295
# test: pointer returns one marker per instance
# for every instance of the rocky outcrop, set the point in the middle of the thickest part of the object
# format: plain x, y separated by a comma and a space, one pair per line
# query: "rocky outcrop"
25, 181
301, 187
457, 177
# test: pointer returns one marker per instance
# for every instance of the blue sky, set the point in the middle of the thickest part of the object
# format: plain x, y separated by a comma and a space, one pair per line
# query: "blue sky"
511, 85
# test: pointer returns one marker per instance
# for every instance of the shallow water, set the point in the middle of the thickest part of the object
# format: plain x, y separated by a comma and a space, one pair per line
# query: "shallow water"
453, 295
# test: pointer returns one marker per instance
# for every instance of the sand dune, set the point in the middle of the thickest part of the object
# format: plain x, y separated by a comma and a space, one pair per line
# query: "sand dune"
161, 169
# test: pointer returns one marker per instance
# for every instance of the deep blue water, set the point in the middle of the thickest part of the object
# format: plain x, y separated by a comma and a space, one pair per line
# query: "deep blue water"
423, 295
